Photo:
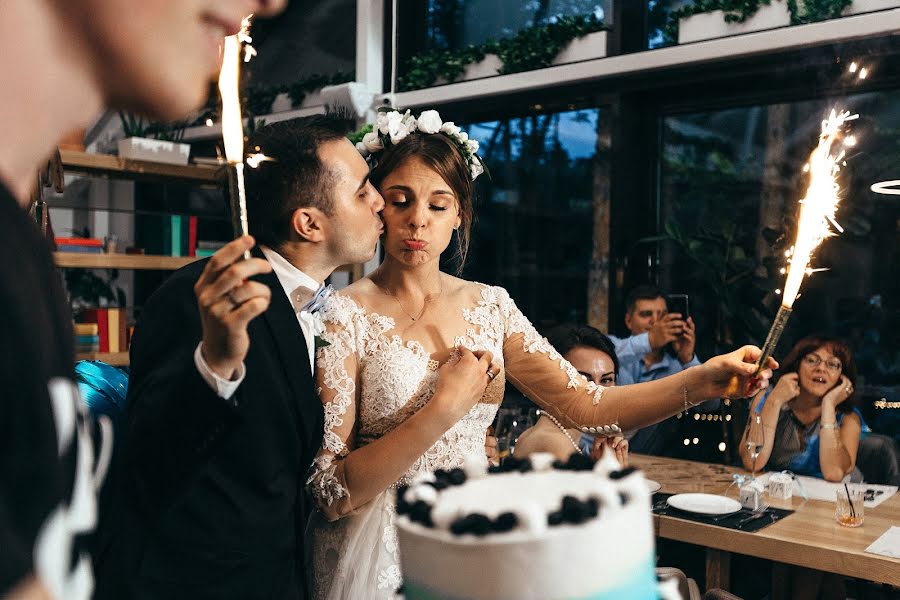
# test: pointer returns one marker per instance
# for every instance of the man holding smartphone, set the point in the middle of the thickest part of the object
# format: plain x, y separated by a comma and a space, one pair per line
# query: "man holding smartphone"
643, 356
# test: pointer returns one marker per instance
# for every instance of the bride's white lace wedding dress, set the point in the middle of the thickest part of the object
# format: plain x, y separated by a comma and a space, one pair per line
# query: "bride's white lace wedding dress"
372, 380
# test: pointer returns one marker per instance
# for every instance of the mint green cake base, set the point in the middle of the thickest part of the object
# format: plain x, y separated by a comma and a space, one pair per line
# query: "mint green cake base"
640, 586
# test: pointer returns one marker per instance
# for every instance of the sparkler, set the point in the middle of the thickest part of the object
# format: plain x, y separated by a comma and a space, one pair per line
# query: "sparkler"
817, 220
232, 125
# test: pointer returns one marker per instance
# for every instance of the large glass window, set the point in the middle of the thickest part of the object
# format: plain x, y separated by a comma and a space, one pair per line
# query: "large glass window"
453, 24
730, 182
534, 230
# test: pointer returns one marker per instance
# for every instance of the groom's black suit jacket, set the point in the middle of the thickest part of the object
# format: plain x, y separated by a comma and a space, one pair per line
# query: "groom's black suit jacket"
205, 495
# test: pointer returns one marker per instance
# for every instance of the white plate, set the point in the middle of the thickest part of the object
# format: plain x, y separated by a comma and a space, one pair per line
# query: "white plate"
652, 486
704, 504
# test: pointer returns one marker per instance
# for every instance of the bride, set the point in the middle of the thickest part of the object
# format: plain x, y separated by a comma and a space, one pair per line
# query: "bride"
416, 361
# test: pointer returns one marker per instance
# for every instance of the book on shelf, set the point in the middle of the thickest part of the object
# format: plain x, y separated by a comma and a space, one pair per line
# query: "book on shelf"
111, 326
77, 241
87, 343
207, 248
169, 235
86, 329
75, 244
79, 249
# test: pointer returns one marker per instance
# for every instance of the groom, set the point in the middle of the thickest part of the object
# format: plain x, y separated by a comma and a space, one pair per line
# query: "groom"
205, 499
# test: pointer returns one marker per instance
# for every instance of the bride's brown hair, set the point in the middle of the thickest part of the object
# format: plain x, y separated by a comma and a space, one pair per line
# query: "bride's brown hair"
442, 155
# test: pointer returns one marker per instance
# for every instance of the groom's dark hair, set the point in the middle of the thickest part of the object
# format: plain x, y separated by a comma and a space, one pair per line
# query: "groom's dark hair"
295, 177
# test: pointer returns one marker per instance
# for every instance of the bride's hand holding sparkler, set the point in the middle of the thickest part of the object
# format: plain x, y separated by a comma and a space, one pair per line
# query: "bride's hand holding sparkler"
721, 371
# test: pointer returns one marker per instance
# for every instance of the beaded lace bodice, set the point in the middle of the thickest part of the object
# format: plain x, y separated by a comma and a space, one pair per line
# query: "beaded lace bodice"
396, 379
372, 380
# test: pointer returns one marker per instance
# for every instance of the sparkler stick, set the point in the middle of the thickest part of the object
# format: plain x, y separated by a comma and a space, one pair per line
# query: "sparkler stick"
817, 218
233, 128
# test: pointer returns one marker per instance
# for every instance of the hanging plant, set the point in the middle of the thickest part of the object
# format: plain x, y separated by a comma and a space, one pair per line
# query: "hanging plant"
811, 11
425, 69
738, 11
537, 47
531, 48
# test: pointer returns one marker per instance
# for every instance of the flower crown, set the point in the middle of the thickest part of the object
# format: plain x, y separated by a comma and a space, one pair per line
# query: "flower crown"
391, 126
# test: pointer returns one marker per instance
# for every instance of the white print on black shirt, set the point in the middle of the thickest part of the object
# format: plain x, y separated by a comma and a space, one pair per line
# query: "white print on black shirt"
54, 546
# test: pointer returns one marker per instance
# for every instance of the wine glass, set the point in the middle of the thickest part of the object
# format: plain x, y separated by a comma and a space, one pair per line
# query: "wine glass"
755, 439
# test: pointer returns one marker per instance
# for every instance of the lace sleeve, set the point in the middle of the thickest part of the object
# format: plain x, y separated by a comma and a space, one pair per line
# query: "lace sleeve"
336, 371
544, 376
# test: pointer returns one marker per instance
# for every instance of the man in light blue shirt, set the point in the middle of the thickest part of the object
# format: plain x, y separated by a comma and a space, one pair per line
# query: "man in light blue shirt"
643, 357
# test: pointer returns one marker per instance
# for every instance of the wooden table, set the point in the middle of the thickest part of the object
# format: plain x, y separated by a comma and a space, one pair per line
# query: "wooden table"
809, 538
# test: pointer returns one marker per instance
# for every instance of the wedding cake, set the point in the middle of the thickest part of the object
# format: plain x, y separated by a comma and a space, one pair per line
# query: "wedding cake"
535, 528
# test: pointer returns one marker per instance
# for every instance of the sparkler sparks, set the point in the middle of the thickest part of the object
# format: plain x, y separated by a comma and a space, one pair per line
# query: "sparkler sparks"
254, 160
818, 207
817, 218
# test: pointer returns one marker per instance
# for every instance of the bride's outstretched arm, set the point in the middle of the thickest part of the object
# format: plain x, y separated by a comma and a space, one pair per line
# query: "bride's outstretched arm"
539, 372
345, 477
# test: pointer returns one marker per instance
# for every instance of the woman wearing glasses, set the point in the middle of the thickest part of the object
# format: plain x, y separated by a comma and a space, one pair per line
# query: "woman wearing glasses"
810, 427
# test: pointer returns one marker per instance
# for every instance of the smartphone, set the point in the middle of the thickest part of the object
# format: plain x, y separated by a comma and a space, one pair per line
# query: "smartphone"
678, 303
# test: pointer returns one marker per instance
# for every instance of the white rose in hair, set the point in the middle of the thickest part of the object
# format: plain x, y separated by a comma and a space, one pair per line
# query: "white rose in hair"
462, 135
396, 127
472, 146
372, 143
362, 149
411, 124
399, 135
450, 128
430, 122
382, 120
476, 168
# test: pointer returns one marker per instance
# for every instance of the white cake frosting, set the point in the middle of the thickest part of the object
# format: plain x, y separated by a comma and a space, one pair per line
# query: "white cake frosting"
608, 555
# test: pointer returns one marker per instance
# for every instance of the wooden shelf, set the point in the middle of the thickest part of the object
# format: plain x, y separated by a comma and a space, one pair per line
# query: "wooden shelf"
113, 166
79, 260
116, 359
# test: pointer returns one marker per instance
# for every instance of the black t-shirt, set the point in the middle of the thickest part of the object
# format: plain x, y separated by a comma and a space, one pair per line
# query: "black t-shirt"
47, 496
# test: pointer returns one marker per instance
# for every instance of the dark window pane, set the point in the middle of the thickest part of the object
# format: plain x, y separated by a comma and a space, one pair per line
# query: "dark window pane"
534, 217
730, 182
457, 23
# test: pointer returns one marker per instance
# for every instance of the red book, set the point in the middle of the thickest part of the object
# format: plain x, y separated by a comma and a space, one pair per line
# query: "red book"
103, 326
100, 316
70, 241
192, 236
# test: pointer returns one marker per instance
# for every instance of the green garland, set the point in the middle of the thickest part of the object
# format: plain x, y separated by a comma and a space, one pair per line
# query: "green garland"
531, 48
738, 11
812, 11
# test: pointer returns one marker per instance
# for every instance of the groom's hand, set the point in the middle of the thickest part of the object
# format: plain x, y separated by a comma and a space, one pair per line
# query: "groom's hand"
228, 301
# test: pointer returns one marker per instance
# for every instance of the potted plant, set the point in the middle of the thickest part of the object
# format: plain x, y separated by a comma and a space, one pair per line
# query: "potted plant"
710, 19
154, 142
565, 40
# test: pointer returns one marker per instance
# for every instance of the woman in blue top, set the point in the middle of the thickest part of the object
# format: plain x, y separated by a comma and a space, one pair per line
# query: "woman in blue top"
810, 427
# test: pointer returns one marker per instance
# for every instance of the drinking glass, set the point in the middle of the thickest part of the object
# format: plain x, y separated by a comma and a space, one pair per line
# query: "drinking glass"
850, 510
511, 423
755, 438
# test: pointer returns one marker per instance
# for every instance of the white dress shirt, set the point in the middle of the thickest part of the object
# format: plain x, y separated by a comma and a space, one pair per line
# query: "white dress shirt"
300, 288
